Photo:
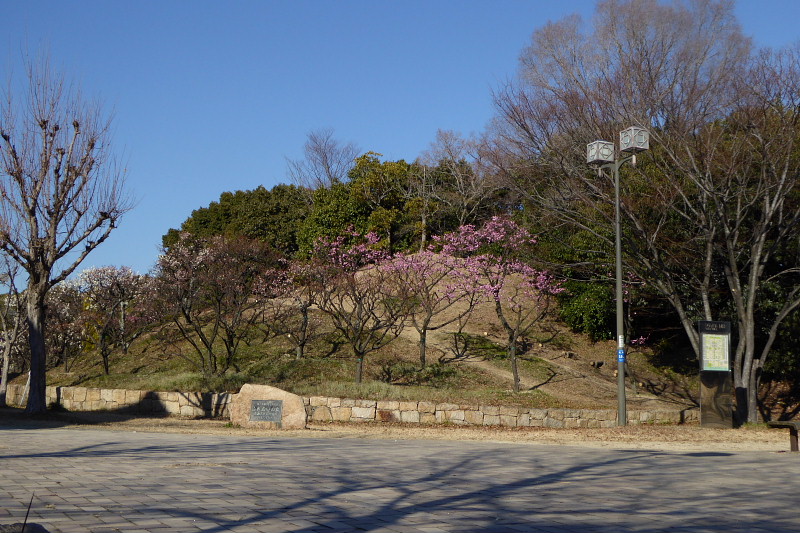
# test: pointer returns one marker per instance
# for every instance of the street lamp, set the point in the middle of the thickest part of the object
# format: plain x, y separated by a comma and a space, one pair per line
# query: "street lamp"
602, 154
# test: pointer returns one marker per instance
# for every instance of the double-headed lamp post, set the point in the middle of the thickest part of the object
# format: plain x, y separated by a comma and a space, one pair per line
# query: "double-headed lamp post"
602, 154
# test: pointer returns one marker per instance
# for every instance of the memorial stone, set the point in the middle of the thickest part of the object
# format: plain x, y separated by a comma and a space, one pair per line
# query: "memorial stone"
262, 406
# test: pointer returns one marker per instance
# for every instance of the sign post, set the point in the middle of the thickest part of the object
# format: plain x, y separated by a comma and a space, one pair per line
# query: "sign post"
716, 388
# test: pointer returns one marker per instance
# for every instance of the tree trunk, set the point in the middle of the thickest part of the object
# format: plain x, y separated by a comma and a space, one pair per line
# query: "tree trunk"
104, 353
4, 374
512, 354
302, 337
360, 368
423, 347
37, 398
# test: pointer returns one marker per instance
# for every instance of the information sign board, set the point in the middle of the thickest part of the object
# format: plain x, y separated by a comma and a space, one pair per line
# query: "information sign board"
715, 343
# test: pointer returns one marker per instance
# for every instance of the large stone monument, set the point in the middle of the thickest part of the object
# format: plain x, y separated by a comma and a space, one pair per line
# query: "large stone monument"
262, 406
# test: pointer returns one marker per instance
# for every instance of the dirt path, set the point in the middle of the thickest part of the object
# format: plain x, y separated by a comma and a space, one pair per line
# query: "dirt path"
573, 380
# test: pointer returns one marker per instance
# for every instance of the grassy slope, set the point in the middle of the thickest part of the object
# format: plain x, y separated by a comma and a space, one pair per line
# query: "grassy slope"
557, 372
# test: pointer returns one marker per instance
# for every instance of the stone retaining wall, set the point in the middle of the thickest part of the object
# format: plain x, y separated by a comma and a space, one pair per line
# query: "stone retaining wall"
190, 404
325, 409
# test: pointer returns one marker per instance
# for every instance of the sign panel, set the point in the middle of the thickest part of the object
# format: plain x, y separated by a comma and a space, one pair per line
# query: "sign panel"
715, 343
266, 411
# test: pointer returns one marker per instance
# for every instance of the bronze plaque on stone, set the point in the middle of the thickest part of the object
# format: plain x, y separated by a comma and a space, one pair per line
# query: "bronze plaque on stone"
266, 411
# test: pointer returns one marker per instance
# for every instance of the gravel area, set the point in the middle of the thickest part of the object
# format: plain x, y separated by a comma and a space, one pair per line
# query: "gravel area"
655, 437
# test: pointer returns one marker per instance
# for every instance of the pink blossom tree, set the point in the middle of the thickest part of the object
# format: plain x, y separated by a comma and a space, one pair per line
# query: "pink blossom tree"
522, 295
361, 298
438, 288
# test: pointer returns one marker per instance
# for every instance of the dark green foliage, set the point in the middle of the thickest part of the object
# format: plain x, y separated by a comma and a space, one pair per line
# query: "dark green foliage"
271, 216
589, 307
334, 212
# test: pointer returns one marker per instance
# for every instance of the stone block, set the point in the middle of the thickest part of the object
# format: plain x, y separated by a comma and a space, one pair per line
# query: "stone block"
491, 410
107, 395
92, 395
473, 417
446, 407
388, 415
190, 410
315, 401
341, 414
118, 396
427, 418
348, 402
366, 403
132, 397
262, 406
363, 413
51, 393
491, 420
411, 417
524, 420
408, 406
456, 416
388, 405
508, 420
426, 407
550, 422
509, 411
322, 413
538, 414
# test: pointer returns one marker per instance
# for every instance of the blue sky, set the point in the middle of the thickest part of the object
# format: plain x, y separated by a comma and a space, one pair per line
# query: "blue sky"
213, 96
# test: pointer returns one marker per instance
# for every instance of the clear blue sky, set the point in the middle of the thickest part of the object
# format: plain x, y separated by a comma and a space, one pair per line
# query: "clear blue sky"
213, 96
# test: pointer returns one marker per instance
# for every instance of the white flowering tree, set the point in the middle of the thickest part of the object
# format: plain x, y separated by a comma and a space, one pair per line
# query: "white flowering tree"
115, 307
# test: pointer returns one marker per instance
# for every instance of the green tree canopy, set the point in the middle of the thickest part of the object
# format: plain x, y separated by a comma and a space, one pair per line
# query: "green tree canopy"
271, 216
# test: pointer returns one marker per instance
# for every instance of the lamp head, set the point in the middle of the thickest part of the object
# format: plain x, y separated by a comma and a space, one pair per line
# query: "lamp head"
634, 139
599, 152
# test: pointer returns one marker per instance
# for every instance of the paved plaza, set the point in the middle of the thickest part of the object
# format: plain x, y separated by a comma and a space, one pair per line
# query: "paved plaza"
108, 481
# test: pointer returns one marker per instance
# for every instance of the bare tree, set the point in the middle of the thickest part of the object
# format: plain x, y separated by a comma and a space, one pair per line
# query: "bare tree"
462, 183
61, 193
11, 324
711, 214
327, 161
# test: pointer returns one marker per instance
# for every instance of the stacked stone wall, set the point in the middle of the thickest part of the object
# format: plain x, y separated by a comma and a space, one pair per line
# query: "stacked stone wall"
327, 409
188, 404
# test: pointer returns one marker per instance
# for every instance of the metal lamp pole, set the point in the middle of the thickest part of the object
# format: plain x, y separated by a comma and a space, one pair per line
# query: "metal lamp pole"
601, 153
